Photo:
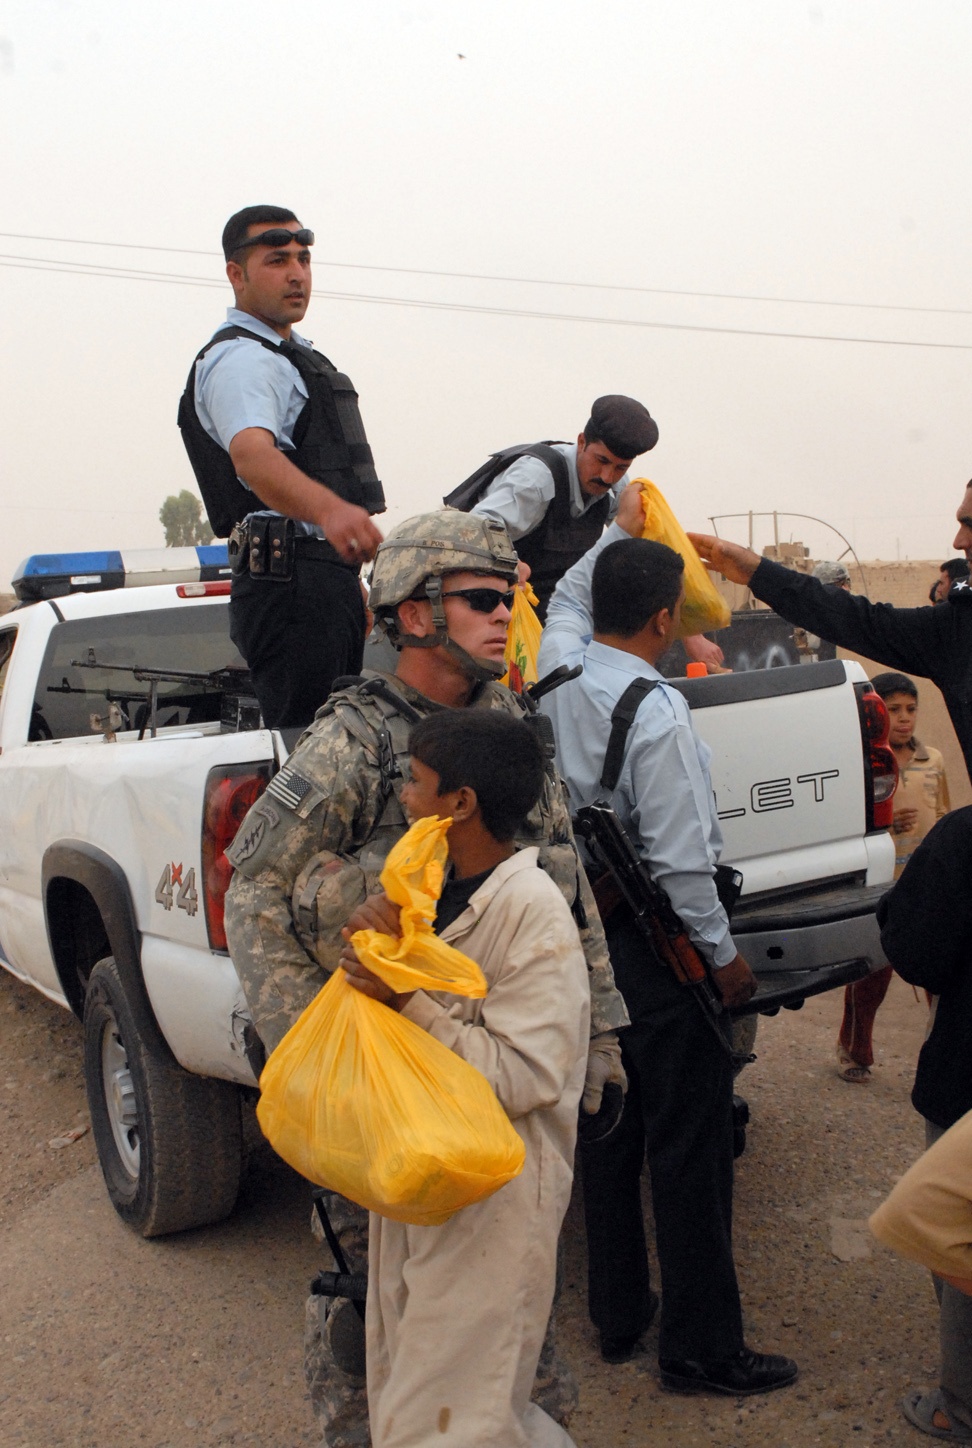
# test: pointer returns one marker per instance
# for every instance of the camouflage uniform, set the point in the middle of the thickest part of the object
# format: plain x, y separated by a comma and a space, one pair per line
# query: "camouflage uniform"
308, 853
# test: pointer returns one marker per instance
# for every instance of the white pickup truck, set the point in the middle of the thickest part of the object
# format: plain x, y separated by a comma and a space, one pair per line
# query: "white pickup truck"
130, 752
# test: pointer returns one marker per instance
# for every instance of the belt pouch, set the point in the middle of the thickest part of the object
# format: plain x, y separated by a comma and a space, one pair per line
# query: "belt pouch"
272, 548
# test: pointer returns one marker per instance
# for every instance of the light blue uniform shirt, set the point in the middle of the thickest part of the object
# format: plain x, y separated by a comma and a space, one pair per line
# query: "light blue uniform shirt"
240, 384
521, 495
664, 793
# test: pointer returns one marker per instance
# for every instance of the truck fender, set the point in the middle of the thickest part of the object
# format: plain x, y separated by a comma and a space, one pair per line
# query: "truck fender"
71, 866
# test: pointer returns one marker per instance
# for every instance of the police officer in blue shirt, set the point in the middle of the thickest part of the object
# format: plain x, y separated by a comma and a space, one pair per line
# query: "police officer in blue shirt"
617, 611
268, 420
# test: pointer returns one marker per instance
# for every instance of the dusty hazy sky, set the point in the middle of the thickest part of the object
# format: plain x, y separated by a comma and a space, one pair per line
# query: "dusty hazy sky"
810, 152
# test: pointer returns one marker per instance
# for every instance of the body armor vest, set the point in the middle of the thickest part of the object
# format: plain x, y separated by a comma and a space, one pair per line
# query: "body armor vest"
329, 439
559, 540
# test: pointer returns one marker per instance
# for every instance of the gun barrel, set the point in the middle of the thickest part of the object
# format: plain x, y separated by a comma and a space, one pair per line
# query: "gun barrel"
341, 1284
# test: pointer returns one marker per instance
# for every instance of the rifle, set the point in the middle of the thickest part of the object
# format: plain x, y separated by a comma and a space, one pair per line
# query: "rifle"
610, 848
216, 679
343, 1282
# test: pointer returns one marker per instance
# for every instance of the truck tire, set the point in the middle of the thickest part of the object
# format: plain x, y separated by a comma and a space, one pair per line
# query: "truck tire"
169, 1142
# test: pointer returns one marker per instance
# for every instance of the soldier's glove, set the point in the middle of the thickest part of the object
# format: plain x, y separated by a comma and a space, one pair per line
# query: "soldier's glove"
604, 1088
603, 1065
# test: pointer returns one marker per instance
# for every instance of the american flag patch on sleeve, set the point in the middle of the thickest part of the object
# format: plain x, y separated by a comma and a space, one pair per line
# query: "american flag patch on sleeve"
289, 787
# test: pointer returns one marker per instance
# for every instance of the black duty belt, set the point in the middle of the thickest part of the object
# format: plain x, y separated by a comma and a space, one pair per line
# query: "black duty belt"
319, 548
266, 545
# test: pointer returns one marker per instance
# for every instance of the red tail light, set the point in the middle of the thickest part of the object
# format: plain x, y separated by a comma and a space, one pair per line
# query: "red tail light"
215, 588
230, 791
880, 765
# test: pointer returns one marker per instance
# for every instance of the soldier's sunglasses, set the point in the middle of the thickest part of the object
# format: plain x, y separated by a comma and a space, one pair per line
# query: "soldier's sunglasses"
484, 600
279, 236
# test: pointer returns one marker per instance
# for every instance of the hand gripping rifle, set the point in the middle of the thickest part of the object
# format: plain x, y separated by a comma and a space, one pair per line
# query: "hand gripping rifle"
613, 852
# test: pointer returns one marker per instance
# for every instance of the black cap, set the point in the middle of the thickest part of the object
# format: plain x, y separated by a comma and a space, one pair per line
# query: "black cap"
623, 425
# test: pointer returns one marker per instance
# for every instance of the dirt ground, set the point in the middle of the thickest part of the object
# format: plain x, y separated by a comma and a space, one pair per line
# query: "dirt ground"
113, 1341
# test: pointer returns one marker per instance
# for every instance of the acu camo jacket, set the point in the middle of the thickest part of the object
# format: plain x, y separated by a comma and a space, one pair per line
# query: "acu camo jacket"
313, 846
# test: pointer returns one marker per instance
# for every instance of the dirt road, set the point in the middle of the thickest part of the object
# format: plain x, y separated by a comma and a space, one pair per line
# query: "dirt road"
193, 1341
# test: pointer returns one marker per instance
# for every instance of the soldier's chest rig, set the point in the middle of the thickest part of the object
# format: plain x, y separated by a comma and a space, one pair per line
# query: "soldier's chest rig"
381, 720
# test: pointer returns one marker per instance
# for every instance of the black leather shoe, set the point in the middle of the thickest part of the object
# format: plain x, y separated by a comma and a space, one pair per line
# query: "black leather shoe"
739, 1376
619, 1349
623, 1349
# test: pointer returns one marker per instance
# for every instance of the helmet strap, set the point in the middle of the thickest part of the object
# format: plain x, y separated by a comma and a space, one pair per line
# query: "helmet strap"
484, 671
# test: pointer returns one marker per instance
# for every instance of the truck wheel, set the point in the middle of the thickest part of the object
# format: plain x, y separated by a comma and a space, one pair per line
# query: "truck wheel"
169, 1142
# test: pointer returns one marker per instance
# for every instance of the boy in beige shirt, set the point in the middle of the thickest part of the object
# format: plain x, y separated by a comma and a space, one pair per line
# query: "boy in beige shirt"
456, 1314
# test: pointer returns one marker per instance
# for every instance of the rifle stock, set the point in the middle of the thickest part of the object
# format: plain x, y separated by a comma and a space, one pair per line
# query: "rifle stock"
610, 847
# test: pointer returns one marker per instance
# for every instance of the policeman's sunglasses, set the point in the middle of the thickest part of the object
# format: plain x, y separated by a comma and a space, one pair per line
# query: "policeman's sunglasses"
279, 236
484, 600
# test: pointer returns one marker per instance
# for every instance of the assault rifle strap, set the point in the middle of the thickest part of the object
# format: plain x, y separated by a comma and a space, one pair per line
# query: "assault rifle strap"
621, 721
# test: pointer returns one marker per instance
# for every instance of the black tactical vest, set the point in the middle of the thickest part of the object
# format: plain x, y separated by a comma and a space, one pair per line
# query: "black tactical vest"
559, 541
329, 439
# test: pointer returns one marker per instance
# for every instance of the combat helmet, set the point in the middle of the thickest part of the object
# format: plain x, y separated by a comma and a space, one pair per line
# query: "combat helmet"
412, 561
829, 572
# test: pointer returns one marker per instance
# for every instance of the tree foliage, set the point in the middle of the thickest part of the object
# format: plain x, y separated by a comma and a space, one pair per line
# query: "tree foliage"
183, 521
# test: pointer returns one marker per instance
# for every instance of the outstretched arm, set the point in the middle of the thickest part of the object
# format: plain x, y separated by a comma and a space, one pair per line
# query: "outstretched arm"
734, 562
932, 642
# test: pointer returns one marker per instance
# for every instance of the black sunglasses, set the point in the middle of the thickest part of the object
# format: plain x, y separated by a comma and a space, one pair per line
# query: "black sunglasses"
279, 236
484, 600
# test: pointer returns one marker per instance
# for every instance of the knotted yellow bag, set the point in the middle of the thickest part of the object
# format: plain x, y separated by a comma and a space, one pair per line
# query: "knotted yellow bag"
522, 641
358, 1099
704, 608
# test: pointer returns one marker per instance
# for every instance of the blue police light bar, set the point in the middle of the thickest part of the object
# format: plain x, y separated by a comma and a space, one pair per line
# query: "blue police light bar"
52, 575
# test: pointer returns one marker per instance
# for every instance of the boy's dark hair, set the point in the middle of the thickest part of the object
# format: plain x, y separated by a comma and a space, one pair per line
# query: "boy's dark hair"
634, 579
955, 568
490, 752
891, 683
234, 232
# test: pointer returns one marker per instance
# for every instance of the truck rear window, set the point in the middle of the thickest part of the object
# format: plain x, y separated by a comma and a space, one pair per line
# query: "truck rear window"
68, 697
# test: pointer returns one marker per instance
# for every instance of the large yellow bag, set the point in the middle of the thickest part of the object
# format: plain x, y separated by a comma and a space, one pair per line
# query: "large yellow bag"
360, 1100
522, 641
704, 608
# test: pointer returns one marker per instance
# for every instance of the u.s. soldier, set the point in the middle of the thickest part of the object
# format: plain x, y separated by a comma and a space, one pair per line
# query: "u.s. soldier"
310, 852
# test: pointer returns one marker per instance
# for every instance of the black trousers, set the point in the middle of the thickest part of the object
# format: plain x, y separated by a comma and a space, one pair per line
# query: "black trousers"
298, 637
678, 1111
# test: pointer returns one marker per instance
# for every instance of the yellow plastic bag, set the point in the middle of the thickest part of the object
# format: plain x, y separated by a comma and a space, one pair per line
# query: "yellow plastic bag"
360, 1100
704, 608
522, 641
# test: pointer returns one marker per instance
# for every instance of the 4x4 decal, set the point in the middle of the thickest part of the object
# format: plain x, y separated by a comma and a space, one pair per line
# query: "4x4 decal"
187, 899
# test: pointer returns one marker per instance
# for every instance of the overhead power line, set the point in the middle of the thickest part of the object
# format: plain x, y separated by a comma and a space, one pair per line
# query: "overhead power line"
523, 281
175, 279
84, 268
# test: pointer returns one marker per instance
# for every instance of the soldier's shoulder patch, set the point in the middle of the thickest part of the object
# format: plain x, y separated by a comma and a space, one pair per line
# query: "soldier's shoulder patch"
289, 787
250, 836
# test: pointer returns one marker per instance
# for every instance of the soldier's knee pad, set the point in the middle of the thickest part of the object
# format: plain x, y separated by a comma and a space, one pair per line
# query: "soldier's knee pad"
343, 1331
